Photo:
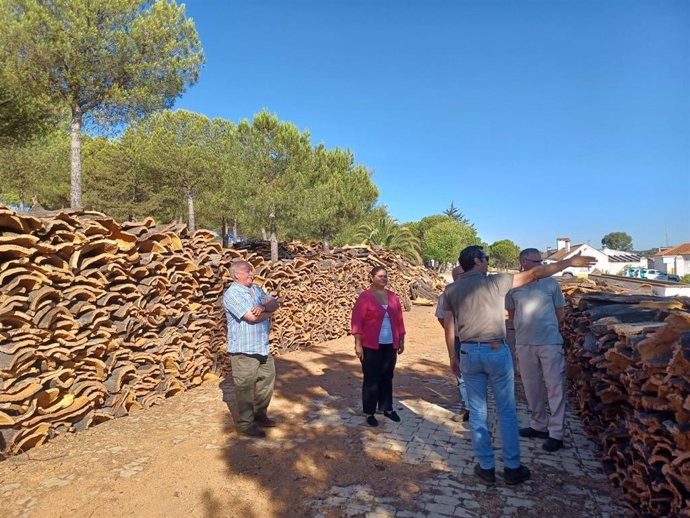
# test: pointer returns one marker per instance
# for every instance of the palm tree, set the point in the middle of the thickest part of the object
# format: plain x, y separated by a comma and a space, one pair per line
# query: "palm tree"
386, 232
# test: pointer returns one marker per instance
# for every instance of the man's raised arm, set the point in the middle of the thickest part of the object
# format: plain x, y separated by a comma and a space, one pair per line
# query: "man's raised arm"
547, 270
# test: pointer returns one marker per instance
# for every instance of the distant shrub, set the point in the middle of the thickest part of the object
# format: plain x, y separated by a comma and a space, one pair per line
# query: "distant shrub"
685, 279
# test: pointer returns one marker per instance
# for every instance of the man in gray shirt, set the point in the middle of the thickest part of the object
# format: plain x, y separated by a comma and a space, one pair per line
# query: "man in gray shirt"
476, 301
536, 310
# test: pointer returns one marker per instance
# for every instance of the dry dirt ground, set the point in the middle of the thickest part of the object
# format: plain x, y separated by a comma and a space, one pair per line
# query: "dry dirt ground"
183, 458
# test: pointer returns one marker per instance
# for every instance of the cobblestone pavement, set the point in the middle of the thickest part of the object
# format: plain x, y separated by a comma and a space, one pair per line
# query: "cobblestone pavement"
434, 436
183, 457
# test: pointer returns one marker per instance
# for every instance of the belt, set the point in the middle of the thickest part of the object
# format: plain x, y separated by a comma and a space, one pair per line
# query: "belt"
493, 345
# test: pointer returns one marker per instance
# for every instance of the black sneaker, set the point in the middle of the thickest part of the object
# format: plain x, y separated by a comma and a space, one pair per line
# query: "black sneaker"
552, 444
531, 432
253, 431
517, 475
487, 475
264, 421
392, 415
372, 421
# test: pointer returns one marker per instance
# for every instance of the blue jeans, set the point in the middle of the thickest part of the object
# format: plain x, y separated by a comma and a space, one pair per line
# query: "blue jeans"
481, 365
461, 382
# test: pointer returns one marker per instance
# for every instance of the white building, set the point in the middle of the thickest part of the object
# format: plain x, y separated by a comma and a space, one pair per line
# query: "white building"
674, 260
620, 261
608, 261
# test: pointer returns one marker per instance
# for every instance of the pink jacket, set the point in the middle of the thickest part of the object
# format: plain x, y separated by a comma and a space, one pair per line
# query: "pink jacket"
367, 318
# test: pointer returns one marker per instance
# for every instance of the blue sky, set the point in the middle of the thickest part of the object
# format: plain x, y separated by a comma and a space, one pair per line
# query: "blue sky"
537, 119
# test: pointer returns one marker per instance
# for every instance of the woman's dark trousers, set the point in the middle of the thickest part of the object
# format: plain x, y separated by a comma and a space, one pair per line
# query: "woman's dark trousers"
378, 366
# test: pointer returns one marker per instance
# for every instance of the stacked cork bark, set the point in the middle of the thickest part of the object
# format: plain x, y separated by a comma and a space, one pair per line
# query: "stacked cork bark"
629, 362
100, 319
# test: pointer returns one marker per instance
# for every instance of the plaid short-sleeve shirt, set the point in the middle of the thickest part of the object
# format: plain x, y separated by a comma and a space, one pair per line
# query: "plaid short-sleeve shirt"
245, 337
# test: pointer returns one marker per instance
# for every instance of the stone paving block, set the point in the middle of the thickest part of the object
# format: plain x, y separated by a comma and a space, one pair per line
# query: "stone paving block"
464, 513
428, 436
354, 510
520, 502
447, 500
439, 509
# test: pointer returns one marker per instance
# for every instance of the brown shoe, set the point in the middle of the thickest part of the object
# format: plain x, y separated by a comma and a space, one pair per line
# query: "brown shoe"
264, 421
253, 431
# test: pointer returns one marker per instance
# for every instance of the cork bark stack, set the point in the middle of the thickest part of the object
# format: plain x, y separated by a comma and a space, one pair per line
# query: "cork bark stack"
100, 319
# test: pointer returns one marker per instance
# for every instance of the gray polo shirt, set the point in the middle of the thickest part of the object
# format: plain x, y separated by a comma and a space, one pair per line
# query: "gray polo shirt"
477, 302
535, 312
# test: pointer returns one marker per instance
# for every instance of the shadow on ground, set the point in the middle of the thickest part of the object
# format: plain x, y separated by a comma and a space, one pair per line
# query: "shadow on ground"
322, 443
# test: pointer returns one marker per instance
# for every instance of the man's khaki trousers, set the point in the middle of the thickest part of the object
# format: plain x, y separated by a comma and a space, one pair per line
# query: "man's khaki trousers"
542, 369
254, 377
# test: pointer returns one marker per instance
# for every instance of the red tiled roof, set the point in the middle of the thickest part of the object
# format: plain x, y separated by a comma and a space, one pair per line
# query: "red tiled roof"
560, 254
682, 249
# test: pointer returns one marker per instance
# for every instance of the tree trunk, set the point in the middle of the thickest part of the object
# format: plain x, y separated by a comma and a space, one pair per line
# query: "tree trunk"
274, 236
224, 232
234, 230
75, 176
190, 208
326, 242
264, 236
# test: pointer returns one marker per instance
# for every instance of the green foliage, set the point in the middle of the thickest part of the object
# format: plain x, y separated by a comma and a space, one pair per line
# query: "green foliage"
441, 248
36, 171
443, 241
504, 254
349, 234
428, 222
453, 212
685, 279
119, 183
229, 194
175, 164
276, 156
23, 116
338, 192
107, 61
618, 241
183, 153
386, 232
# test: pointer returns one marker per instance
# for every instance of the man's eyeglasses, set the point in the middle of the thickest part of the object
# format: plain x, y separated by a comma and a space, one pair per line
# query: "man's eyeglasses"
486, 258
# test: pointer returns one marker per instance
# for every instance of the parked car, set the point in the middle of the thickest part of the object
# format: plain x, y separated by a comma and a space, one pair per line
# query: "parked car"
655, 275
673, 277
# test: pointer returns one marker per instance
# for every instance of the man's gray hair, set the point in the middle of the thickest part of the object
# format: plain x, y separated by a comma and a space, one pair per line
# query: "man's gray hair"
239, 265
529, 251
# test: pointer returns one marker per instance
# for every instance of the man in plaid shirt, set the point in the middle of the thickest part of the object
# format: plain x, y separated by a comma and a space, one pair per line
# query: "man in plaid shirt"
248, 309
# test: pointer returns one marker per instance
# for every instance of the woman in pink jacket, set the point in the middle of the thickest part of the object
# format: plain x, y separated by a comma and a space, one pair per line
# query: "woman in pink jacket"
379, 331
